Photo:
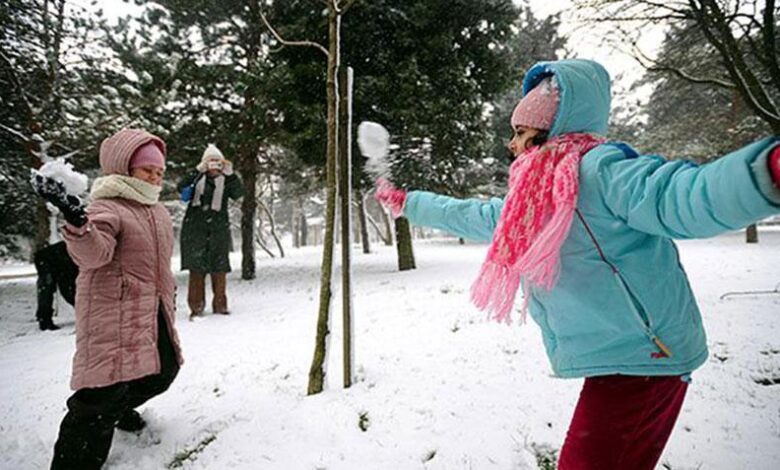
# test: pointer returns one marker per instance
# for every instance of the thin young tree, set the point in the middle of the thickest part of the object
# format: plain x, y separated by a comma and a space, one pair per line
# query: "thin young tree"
335, 10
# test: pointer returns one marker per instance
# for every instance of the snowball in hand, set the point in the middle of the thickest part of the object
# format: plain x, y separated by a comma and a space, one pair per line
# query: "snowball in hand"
374, 140
59, 170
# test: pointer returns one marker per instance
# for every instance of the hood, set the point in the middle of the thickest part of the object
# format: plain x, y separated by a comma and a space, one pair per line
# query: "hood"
584, 88
117, 150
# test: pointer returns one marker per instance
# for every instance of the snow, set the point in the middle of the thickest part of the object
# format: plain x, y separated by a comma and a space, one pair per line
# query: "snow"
374, 140
60, 170
437, 385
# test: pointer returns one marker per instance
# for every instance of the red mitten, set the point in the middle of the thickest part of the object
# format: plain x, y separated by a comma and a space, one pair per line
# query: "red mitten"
390, 197
774, 165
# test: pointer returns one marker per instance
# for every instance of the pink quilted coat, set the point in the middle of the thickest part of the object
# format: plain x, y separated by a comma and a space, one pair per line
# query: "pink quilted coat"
124, 256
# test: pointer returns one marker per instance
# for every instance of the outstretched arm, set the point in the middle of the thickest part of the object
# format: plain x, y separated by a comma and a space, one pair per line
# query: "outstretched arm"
465, 218
679, 199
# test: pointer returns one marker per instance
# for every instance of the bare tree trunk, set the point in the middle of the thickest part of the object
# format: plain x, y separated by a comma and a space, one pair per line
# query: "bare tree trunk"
361, 207
261, 243
751, 234
403, 235
273, 228
388, 230
294, 220
386, 239
248, 166
304, 227
317, 369
345, 193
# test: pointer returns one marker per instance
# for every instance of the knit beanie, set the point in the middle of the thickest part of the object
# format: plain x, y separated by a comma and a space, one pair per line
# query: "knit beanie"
538, 107
211, 153
148, 154
117, 151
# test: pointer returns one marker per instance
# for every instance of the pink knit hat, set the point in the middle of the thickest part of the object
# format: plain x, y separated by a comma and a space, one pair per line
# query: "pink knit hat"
117, 151
538, 107
148, 154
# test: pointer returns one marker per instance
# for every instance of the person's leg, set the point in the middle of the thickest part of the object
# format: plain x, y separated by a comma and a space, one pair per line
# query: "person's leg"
622, 422
66, 275
142, 390
87, 429
219, 286
196, 293
47, 287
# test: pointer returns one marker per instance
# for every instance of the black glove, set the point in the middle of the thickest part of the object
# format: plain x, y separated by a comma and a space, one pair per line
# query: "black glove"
53, 191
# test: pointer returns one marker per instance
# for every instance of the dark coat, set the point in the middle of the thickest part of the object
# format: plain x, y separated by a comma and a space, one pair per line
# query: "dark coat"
205, 233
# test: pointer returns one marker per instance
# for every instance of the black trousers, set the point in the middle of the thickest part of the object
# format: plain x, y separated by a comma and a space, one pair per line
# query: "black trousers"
87, 429
56, 270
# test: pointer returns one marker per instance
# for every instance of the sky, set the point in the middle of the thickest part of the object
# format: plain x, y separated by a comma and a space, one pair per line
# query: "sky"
584, 41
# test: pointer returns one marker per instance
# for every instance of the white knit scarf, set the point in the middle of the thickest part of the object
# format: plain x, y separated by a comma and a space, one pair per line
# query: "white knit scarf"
216, 197
125, 187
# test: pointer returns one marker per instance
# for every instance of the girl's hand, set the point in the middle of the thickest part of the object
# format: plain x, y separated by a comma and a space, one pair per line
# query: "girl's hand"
774, 165
390, 197
54, 192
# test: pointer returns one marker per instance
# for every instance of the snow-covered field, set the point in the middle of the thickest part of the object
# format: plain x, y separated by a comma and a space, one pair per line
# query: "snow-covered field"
437, 385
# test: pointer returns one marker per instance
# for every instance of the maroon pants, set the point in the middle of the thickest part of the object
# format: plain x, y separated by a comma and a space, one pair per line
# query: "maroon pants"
622, 422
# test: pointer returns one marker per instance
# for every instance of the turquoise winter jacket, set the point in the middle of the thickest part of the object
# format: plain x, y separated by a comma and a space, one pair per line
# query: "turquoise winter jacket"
595, 322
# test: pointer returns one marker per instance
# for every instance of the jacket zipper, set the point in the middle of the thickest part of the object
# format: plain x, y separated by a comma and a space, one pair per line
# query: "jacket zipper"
631, 299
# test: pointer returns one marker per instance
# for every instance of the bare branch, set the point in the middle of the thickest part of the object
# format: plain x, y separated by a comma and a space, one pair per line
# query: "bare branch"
710, 20
15, 133
291, 43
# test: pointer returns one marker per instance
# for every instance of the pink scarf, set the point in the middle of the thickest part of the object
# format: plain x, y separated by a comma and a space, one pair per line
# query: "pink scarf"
534, 223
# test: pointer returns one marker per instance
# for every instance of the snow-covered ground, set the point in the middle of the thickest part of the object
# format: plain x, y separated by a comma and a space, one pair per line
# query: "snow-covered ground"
437, 385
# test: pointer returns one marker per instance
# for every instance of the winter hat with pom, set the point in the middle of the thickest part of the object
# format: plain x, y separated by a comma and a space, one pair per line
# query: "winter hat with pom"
538, 107
148, 155
117, 151
211, 153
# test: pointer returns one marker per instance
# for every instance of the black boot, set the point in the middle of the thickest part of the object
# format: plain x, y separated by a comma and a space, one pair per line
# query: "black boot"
47, 324
131, 421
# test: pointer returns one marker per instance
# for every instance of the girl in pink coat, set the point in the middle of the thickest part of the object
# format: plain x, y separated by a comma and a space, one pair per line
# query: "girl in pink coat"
127, 349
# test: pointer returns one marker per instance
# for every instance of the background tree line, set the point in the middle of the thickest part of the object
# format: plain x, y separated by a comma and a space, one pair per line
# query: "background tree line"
441, 75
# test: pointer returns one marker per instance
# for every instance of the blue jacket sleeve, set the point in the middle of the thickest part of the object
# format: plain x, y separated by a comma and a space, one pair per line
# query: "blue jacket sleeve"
678, 199
471, 219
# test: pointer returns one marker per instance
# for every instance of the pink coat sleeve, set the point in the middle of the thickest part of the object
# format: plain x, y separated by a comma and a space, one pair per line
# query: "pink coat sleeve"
93, 244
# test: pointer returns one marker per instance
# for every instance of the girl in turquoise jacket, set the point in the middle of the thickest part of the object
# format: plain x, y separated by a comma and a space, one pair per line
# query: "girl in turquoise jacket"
586, 229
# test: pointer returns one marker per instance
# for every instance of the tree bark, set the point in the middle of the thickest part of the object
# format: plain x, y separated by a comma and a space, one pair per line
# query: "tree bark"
304, 228
388, 230
294, 220
361, 208
317, 369
403, 235
751, 234
345, 197
248, 208
272, 223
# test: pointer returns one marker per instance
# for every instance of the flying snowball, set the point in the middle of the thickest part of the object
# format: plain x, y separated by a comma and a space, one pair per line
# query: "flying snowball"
374, 141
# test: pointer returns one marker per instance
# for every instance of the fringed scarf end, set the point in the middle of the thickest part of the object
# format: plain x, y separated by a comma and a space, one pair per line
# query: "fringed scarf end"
495, 290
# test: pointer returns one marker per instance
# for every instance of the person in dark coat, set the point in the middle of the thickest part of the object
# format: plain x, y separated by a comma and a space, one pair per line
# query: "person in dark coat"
56, 270
205, 233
